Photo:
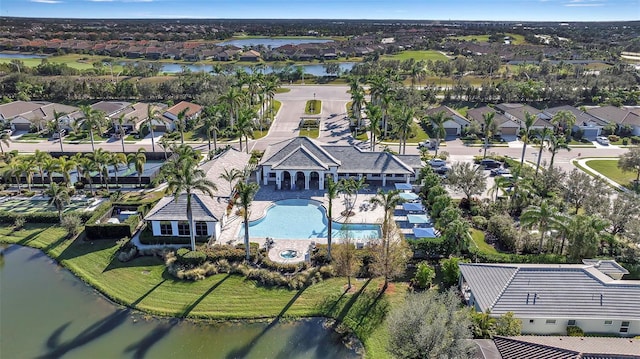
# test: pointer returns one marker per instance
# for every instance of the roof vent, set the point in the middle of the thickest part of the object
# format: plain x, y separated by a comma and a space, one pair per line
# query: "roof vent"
597, 265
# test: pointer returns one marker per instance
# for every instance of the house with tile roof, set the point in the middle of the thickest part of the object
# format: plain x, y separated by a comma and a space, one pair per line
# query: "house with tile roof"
517, 112
591, 126
455, 123
549, 297
169, 216
562, 347
620, 116
21, 115
302, 163
171, 114
135, 115
506, 126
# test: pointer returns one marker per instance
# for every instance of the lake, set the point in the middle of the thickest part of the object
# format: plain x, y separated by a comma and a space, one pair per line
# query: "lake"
273, 42
4, 55
49, 313
311, 69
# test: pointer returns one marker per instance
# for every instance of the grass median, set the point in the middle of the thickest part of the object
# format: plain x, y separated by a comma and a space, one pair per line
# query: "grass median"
143, 284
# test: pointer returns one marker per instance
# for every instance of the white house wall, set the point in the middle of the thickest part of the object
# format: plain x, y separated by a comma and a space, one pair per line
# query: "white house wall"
213, 228
540, 326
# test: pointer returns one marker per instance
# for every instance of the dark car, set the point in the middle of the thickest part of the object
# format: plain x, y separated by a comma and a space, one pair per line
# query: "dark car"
442, 170
489, 163
499, 171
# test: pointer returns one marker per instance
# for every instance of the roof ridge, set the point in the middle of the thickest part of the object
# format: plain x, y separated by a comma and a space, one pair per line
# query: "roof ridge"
325, 152
306, 151
400, 162
504, 288
171, 199
202, 204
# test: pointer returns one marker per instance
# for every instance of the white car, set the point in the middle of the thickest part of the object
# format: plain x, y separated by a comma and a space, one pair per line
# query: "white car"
602, 140
436, 162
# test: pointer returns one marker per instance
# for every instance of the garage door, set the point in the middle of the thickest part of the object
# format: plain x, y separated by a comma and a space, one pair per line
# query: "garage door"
451, 131
509, 131
22, 126
590, 133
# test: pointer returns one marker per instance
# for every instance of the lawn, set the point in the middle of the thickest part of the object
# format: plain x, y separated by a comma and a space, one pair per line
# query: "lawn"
313, 107
610, 169
76, 61
516, 39
478, 239
144, 284
31, 206
417, 55
309, 132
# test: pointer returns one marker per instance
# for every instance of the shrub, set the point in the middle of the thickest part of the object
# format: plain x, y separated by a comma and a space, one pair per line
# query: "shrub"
479, 222
18, 223
284, 267
428, 247
71, 223
575, 331
502, 228
191, 258
36, 217
614, 138
424, 275
635, 140
625, 141
108, 231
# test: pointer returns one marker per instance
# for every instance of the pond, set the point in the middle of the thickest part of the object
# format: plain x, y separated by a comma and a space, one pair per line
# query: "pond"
4, 55
273, 42
49, 313
311, 69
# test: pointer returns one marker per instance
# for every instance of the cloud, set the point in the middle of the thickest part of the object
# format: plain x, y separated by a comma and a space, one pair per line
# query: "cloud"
47, 1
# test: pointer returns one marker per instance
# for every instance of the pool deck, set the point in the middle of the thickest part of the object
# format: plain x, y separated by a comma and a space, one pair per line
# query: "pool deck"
364, 213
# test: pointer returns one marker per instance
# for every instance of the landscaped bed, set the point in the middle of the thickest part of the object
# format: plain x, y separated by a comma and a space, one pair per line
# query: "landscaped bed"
25, 206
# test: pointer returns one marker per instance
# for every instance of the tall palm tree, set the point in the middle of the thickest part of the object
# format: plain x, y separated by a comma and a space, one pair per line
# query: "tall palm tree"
388, 201
152, 115
182, 123
403, 126
4, 141
557, 143
117, 159
233, 98
27, 167
529, 120
564, 121
58, 197
230, 175
101, 158
88, 166
121, 131
487, 129
244, 125
270, 86
437, 124
333, 190
246, 192
93, 120
51, 165
138, 159
65, 166
543, 135
39, 159
374, 114
210, 123
543, 217
185, 177
13, 170
56, 118
357, 102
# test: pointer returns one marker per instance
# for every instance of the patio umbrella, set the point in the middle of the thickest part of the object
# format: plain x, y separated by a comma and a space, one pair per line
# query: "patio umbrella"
413, 207
403, 187
425, 232
418, 218
408, 196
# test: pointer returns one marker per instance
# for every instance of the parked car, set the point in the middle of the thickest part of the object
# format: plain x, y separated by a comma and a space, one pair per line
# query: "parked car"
436, 162
442, 170
489, 163
499, 171
602, 140
427, 144
57, 135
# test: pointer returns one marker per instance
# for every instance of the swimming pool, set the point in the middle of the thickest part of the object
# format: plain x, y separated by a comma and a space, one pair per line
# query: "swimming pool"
304, 219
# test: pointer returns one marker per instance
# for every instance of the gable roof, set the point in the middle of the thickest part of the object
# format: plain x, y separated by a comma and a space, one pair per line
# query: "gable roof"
230, 159
449, 112
567, 347
203, 208
300, 158
354, 160
608, 267
138, 112
500, 120
110, 108
276, 152
617, 115
15, 108
551, 290
582, 118
182, 105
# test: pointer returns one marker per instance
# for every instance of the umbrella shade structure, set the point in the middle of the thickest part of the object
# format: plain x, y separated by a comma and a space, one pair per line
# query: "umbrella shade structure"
418, 218
429, 232
413, 207
408, 196
403, 187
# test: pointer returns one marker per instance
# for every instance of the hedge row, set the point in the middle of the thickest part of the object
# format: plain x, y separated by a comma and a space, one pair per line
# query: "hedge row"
231, 253
429, 247
113, 230
515, 258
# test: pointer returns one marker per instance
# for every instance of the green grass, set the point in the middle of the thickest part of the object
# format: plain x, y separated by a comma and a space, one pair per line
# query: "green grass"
516, 39
309, 132
259, 134
478, 239
313, 107
143, 284
283, 90
76, 61
610, 169
417, 55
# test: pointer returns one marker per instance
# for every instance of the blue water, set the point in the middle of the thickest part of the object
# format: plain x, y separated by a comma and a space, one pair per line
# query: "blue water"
273, 42
303, 219
20, 56
311, 69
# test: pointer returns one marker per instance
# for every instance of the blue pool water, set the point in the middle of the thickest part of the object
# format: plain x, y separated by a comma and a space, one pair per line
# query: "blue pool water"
303, 219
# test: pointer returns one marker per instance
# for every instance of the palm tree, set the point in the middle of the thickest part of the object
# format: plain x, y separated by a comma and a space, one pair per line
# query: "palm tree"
121, 131
437, 124
403, 123
487, 129
39, 159
138, 159
4, 139
270, 86
333, 190
529, 120
499, 184
28, 168
182, 123
564, 120
357, 102
557, 143
152, 114
117, 159
246, 192
374, 114
101, 159
543, 217
88, 165
56, 118
185, 178
210, 123
544, 135
230, 175
388, 201
233, 98
93, 120
13, 169
65, 166
58, 197
244, 125
51, 165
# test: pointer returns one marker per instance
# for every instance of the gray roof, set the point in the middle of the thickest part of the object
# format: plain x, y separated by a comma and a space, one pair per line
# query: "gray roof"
518, 111
582, 118
449, 112
276, 152
204, 208
354, 160
620, 116
567, 347
607, 266
229, 160
554, 290
110, 107
476, 115
15, 108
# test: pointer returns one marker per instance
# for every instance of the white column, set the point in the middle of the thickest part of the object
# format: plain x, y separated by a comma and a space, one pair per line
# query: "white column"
279, 179
294, 180
174, 228
408, 178
384, 179
307, 177
321, 181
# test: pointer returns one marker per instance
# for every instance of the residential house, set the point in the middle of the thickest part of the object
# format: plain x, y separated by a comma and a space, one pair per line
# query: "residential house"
591, 126
563, 347
111, 109
517, 113
135, 115
620, 116
169, 217
251, 55
22, 115
171, 114
456, 122
302, 163
506, 126
549, 297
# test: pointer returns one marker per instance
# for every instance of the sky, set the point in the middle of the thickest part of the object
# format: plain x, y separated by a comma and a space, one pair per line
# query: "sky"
494, 10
